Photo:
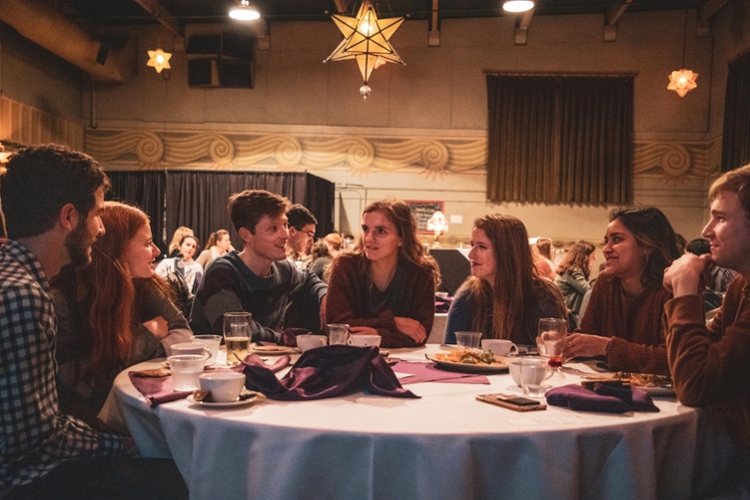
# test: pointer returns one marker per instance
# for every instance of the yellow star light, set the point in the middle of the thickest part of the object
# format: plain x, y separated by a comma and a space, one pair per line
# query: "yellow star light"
682, 81
159, 60
366, 40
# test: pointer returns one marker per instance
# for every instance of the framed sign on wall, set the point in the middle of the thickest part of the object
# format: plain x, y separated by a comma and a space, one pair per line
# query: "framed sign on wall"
422, 211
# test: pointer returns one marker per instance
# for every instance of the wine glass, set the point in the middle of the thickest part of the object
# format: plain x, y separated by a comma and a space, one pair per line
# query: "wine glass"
551, 342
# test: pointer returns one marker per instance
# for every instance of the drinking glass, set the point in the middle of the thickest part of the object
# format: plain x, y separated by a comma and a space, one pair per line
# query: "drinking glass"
468, 339
185, 370
338, 333
551, 341
237, 336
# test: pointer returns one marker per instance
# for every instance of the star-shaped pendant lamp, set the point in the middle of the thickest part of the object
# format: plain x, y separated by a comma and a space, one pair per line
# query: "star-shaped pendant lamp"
159, 60
682, 81
366, 40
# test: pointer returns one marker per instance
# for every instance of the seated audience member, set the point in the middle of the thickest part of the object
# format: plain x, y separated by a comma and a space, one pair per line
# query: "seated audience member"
301, 233
334, 242
386, 286
542, 252
710, 364
623, 320
681, 243
573, 276
721, 277
321, 261
218, 244
174, 245
52, 198
183, 263
111, 314
259, 279
504, 297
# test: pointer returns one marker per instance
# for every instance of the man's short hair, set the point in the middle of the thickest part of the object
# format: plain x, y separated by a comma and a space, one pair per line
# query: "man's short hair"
698, 246
38, 181
735, 181
249, 206
299, 217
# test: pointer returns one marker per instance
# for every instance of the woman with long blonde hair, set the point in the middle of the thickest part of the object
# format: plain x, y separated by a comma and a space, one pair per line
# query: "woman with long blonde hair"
218, 244
113, 313
504, 297
386, 285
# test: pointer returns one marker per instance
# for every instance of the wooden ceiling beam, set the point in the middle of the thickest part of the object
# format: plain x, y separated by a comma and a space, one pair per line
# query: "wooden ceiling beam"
158, 11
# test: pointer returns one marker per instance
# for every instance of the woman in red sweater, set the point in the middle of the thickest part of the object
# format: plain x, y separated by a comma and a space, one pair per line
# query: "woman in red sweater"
386, 286
623, 321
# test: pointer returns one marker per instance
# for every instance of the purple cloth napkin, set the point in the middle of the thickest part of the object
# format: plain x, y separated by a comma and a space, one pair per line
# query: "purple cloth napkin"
427, 372
604, 398
442, 305
328, 372
157, 390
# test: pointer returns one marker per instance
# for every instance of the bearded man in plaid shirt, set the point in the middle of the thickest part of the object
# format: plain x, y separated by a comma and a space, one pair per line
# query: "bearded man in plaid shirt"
51, 199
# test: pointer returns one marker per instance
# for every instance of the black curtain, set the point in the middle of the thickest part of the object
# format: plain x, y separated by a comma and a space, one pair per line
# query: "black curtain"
559, 139
144, 190
735, 150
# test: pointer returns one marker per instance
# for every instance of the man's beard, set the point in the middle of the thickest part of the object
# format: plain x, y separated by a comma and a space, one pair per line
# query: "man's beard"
78, 244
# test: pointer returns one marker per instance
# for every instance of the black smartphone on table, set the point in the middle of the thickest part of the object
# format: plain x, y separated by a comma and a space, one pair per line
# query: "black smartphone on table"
517, 403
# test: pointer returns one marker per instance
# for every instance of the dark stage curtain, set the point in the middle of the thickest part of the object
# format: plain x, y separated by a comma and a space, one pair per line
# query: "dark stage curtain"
735, 150
146, 191
559, 139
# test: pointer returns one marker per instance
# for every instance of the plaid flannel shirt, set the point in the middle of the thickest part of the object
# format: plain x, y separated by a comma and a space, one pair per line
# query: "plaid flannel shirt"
34, 435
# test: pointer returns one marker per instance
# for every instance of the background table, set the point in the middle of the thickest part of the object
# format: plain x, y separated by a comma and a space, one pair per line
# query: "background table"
445, 445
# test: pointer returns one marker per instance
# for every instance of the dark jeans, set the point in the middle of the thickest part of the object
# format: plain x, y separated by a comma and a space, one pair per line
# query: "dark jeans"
107, 479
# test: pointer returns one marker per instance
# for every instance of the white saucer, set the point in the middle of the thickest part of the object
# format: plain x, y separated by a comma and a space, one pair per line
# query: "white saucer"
242, 402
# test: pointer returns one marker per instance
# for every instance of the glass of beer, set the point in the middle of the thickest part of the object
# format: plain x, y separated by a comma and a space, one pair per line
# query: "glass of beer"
551, 340
237, 336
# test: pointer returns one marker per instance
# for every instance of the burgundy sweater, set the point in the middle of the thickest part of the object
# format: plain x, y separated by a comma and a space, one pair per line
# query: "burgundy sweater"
633, 322
356, 301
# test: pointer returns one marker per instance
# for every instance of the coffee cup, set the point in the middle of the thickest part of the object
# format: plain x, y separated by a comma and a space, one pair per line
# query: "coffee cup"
499, 347
363, 340
225, 387
197, 348
212, 344
307, 342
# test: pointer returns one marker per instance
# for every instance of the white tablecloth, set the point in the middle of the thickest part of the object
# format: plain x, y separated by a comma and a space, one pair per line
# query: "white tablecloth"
445, 445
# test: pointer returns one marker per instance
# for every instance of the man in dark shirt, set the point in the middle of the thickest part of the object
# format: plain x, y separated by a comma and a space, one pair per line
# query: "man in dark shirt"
52, 198
301, 225
259, 279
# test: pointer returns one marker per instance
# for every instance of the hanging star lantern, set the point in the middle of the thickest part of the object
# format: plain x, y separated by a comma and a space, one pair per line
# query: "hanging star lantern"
366, 40
159, 60
682, 81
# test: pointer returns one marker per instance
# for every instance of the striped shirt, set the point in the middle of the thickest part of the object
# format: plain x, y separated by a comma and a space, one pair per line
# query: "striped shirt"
34, 435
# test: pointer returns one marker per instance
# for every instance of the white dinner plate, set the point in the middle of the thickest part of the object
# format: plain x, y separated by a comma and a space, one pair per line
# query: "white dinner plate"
274, 349
469, 368
240, 402
657, 391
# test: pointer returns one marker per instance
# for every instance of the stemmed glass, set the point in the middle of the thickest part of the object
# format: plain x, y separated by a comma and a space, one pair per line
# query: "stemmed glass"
551, 342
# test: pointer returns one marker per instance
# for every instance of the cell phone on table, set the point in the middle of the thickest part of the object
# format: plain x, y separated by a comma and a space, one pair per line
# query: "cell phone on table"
516, 403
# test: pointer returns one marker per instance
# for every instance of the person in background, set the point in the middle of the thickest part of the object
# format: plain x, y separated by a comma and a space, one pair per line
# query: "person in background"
301, 233
542, 252
112, 314
334, 241
504, 297
681, 243
321, 261
710, 365
259, 279
174, 245
184, 264
218, 244
721, 277
386, 286
573, 276
623, 320
52, 198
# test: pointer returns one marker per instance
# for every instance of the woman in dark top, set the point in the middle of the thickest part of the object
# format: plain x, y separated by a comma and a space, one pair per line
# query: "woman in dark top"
386, 286
623, 320
111, 314
573, 276
505, 295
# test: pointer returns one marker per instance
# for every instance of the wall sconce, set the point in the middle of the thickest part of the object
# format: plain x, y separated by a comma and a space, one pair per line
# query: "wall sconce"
159, 60
244, 12
518, 6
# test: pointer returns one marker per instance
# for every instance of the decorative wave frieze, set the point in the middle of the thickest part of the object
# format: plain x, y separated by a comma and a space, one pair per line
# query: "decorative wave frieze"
357, 154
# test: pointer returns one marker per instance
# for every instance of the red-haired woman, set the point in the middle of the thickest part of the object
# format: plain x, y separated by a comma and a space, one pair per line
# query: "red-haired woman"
111, 314
386, 286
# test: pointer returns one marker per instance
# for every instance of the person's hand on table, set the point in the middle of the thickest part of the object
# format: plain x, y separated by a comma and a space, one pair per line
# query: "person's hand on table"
411, 328
584, 345
364, 330
687, 275
158, 326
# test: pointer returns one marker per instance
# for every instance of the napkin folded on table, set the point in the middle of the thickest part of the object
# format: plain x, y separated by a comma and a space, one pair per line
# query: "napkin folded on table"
327, 372
604, 398
160, 390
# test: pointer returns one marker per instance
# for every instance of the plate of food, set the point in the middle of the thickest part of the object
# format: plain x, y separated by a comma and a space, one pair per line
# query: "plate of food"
654, 385
274, 349
466, 360
246, 398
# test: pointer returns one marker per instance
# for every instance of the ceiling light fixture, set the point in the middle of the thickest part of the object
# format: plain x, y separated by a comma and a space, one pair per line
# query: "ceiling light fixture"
682, 81
244, 12
366, 40
518, 5
159, 60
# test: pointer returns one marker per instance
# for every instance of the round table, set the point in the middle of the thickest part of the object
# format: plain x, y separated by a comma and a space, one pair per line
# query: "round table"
445, 445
